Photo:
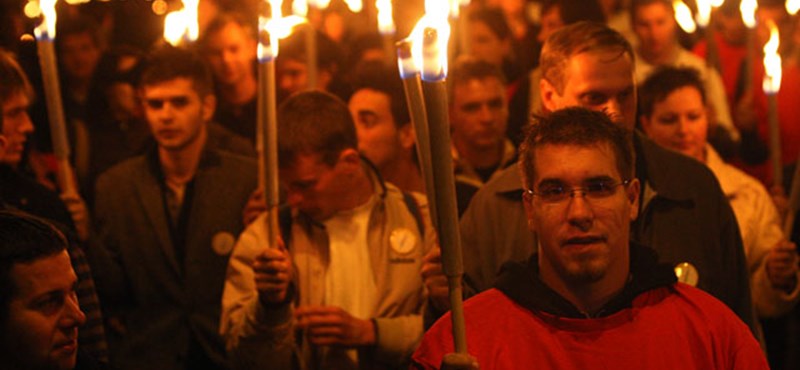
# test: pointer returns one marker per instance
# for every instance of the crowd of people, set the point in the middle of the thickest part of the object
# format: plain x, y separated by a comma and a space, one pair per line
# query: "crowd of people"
616, 201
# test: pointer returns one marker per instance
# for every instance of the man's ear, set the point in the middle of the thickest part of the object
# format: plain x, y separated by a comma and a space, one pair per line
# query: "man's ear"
350, 158
209, 106
632, 193
549, 95
407, 136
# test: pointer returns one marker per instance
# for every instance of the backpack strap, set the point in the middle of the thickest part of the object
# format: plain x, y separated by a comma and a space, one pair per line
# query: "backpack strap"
413, 207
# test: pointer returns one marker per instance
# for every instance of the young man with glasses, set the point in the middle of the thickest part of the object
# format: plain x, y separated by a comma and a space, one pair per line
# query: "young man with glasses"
683, 213
342, 289
590, 298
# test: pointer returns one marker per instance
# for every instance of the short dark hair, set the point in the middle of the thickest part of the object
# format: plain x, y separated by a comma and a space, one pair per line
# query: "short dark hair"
167, 63
575, 39
576, 126
12, 78
492, 18
375, 75
468, 68
77, 25
314, 122
662, 82
23, 239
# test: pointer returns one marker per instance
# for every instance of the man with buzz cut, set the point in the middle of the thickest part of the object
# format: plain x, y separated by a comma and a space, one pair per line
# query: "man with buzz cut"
167, 222
683, 214
342, 289
590, 298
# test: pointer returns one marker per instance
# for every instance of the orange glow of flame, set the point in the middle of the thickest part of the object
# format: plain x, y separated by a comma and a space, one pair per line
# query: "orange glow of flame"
355, 6
300, 8
272, 29
431, 54
181, 25
703, 15
46, 29
772, 61
385, 20
748, 10
792, 6
683, 15
320, 4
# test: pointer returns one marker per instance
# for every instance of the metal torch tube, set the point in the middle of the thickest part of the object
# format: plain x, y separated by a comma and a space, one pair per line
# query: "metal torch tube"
55, 113
416, 106
774, 139
794, 202
268, 141
311, 55
435, 94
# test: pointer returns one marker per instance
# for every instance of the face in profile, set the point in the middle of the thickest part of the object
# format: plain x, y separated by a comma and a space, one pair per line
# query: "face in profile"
379, 138
42, 327
597, 80
17, 126
583, 235
680, 122
176, 112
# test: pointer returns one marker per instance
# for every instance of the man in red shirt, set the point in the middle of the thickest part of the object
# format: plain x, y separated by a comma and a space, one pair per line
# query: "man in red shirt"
590, 298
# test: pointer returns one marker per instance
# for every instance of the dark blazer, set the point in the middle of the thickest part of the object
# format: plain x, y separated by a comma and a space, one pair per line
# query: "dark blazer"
163, 304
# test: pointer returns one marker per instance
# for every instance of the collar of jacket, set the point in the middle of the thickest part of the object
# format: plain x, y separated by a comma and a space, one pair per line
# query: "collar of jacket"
208, 158
521, 283
661, 169
377, 183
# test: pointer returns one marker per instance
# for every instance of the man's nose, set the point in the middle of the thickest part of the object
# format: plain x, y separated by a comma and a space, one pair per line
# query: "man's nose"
73, 316
579, 211
27, 125
613, 108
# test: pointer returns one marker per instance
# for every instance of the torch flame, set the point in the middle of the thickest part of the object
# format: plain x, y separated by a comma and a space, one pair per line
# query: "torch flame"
355, 6
181, 25
772, 61
320, 4
703, 15
272, 29
792, 6
405, 59
683, 15
385, 20
300, 8
748, 10
431, 35
47, 29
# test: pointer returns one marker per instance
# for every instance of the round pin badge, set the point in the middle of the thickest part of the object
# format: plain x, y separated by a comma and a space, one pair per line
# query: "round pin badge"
222, 243
402, 240
687, 273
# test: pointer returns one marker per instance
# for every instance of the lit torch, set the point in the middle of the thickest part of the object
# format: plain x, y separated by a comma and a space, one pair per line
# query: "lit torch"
792, 6
771, 86
386, 26
748, 10
45, 36
683, 15
704, 20
430, 41
270, 30
412, 85
180, 26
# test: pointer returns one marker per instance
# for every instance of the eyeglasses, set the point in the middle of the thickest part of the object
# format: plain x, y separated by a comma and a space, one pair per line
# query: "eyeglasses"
594, 190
